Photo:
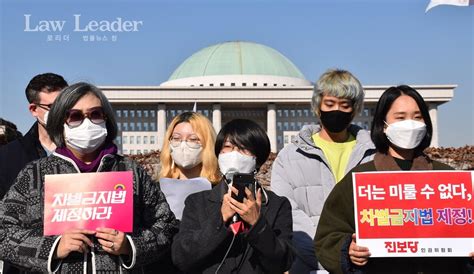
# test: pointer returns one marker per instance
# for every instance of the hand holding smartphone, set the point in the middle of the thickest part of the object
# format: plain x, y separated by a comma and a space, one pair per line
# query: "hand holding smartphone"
240, 181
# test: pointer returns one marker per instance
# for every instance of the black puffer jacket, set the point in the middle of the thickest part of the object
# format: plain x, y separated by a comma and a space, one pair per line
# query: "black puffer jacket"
15, 155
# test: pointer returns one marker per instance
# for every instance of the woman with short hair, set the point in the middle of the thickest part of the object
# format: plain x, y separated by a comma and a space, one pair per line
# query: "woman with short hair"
82, 125
206, 243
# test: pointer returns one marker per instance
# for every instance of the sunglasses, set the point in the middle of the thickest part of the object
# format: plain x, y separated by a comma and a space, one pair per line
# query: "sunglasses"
75, 117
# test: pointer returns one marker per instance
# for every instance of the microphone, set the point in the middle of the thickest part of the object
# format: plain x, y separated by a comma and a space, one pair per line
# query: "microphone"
229, 175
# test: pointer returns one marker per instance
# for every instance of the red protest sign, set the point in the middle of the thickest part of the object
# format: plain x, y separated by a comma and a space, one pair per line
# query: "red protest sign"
88, 201
425, 213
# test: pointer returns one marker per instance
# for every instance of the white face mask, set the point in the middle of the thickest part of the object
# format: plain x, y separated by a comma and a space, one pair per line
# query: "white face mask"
45, 118
406, 134
232, 162
86, 137
186, 157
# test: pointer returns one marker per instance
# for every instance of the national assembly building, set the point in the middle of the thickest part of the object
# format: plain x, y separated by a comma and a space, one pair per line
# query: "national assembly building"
236, 80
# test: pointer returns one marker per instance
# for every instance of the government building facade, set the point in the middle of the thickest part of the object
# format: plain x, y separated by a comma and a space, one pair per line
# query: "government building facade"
236, 80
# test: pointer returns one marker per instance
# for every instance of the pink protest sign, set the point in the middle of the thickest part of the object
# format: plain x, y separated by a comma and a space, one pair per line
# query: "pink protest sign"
88, 201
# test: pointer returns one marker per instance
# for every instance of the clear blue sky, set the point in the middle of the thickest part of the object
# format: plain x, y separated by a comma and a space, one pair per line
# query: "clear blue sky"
385, 42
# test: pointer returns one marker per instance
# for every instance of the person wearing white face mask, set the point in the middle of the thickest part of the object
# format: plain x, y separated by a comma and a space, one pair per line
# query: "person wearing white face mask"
401, 130
40, 92
188, 149
188, 165
206, 243
82, 125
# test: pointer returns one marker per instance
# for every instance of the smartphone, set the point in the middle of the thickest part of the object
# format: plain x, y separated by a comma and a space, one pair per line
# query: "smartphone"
240, 181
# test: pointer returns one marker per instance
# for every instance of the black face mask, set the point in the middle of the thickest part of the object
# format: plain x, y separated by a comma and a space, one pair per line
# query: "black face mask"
335, 121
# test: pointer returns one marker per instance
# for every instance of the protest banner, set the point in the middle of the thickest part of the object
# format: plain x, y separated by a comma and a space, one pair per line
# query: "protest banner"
88, 201
414, 213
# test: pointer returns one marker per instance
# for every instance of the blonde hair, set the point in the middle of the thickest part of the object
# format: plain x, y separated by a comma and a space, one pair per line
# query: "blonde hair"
204, 130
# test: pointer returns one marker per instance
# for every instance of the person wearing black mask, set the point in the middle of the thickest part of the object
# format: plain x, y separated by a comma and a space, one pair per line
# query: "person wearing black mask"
306, 170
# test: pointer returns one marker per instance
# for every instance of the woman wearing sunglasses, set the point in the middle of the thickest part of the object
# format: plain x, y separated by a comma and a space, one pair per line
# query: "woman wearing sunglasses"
82, 125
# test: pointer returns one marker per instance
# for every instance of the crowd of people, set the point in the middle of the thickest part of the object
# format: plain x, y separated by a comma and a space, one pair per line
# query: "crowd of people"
197, 217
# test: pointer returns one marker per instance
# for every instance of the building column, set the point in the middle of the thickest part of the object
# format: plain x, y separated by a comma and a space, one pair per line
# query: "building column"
161, 124
271, 126
433, 110
216, 117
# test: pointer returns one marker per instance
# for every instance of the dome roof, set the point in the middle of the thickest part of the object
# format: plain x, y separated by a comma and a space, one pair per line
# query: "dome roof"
236, 58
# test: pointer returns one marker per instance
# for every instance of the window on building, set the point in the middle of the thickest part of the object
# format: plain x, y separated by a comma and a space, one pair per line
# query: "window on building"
285, 126
145, 140
139, 113
254, 84
132, 113
125, 139
153, 113
132, 140
118, 140
119, 126
124, 127
132, 126
145, 151
232, 84
366, 112
125, 113
118, 113
152, 140
286, 112
139, 140
125, 151
139, 151
244, 84
145, 113
211, 85
139, 126
153, 126
293, 113
145, 126
132, 151
265, 84
222, 84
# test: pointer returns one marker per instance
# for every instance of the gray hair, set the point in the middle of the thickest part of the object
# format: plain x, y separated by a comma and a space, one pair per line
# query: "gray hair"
341, 84
66, 100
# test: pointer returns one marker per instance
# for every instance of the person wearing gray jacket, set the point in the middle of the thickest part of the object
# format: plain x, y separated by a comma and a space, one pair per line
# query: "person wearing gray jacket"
306, 170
